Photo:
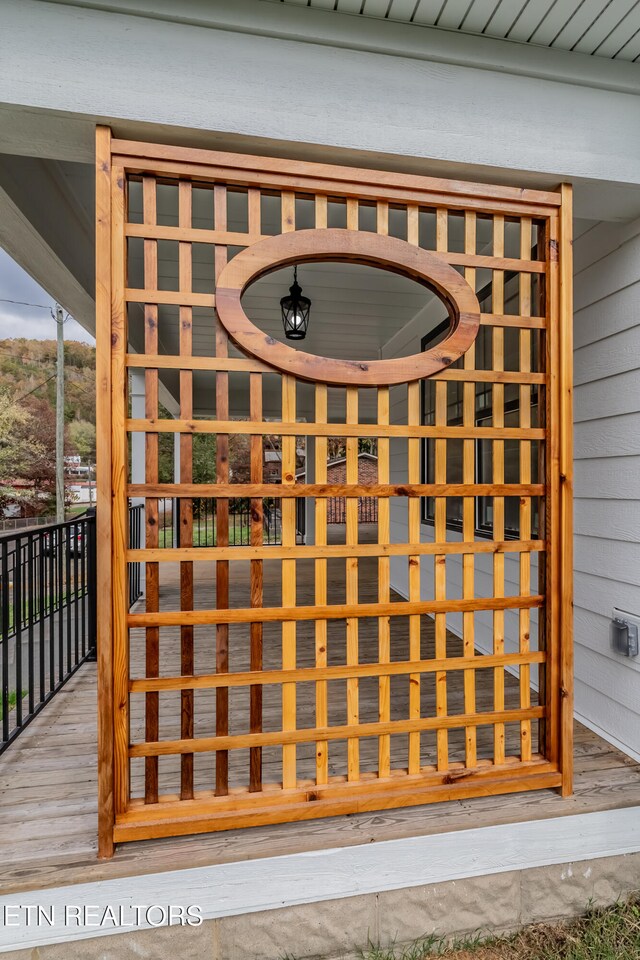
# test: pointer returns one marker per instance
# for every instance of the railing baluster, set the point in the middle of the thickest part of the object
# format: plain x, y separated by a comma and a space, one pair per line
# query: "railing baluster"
30, 618
17, 625
48, 606
4, 614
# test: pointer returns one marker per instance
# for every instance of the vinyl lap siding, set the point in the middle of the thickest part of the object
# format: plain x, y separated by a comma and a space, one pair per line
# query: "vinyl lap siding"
607, 474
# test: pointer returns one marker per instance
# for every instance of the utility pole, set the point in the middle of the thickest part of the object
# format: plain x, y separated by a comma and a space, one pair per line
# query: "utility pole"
60, 418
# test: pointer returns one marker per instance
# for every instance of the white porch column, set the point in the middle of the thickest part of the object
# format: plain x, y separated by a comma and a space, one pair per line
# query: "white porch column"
137, 395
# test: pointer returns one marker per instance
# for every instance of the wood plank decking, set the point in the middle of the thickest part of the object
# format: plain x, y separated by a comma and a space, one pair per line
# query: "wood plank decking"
48, 783
48, 807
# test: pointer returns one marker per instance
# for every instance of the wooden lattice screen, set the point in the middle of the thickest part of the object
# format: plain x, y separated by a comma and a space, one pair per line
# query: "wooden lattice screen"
259, 683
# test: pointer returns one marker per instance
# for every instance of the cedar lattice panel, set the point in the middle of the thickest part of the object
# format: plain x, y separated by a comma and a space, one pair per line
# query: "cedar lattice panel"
255, 696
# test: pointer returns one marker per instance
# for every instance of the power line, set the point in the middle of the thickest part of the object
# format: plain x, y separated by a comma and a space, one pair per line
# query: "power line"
25, 395
25, 303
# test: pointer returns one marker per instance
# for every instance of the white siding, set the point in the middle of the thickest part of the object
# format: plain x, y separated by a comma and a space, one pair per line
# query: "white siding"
607, 474
607, 482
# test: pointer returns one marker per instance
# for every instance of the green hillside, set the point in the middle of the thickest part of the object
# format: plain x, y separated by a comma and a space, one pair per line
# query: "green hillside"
28, 419
25, 364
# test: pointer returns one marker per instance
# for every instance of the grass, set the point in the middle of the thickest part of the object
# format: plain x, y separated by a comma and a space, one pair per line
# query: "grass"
239, 536
606, 933
13, 699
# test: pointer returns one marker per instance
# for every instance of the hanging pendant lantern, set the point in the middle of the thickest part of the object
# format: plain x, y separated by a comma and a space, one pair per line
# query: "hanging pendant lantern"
295, 311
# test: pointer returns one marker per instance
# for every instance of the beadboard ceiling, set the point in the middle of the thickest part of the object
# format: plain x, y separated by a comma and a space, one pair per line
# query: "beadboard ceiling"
601, 28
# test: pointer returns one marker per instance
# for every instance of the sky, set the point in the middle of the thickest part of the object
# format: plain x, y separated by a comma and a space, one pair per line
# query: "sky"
32, 322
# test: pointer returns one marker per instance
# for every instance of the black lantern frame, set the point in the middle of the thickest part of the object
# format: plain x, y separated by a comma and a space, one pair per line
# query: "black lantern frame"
295, 311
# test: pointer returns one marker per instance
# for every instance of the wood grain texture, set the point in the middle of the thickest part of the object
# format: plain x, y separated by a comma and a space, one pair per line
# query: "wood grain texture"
119, 503
325, 691
151, 472
103, 483
565, 637
388, 253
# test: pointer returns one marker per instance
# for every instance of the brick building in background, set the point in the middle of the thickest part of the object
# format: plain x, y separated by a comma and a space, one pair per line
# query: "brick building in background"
367, 473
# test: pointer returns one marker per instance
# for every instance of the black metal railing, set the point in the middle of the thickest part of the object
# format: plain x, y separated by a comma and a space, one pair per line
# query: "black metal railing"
367, 510
48, 611
47, 615
205, 521
136, 517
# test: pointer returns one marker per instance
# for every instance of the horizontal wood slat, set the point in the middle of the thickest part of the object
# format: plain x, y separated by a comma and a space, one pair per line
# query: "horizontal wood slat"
331, 612
317, 551
336, 797
312, 176
303, 429
168, 362
194, 235
175, 297
313, 674
222, 490
307, 735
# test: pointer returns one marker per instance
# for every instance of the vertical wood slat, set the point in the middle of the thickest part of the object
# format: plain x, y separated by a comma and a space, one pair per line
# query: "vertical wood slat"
413, 507
440, 574
185, 507
119, 503
254, 215
322, 711
222, 508
321, 212
497, 362
288, 211
352, 214
565, 635
413, 224
256, 582
289, 719
542, 252
525, 477
254, 223
553, 569
384, 568
440, 529
152, 586
103, 483
289, 510
384, 588
353, 709
469, 510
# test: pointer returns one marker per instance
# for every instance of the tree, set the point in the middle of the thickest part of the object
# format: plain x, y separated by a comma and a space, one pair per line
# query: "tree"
82, 436
19, 446
40, 469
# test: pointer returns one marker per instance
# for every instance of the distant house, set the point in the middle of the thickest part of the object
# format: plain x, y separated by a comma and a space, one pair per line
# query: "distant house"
367, 473
271, 466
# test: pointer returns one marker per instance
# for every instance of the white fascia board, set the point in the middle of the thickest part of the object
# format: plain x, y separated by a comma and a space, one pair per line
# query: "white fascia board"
134, 70
271, 883
388, 37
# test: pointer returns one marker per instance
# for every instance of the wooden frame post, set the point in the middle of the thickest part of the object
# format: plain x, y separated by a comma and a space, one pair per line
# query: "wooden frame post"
566, 487
106, 817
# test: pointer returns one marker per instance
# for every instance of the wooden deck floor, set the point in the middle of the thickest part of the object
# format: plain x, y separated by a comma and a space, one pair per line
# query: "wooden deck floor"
48, 806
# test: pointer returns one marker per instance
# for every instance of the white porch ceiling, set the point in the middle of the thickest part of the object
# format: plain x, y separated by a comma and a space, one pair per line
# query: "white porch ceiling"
601, 28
